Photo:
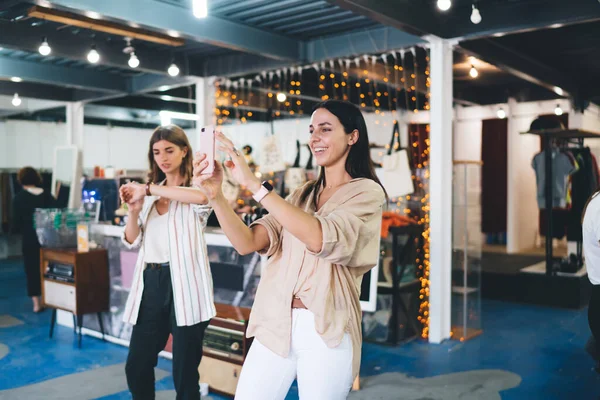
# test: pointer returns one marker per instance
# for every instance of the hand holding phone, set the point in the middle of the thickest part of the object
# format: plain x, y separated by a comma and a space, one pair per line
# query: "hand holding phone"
207, 146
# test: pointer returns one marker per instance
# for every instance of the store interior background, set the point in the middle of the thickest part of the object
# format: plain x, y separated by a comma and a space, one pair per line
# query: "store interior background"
529, 64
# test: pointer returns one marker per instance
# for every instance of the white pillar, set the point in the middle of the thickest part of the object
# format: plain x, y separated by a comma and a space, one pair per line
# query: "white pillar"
513, 169
440, 189
74, 124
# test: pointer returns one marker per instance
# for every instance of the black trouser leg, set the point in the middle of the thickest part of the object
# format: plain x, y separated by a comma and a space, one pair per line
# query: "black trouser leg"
594, 314
150, 334
187, 353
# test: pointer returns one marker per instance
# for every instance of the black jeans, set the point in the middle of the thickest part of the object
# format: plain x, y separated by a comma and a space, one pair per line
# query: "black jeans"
594, 314
156, 320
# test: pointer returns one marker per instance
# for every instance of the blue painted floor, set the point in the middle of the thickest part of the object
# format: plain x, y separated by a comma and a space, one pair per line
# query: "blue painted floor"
545, 347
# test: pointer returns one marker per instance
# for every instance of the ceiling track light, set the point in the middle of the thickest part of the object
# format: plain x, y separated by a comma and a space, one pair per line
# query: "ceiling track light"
558, 111
473, 72
93, 56
475, 15
200, 8
45, 48
444, 5
16, 100
173, 69
501, 113
133, 62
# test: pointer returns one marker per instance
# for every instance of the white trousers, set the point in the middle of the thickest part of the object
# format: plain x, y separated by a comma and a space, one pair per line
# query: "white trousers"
322, 373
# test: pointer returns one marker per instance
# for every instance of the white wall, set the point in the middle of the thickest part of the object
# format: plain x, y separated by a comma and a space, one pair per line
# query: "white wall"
32, 143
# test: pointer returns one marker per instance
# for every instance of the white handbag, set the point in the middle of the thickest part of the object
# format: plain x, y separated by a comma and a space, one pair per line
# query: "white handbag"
395, 174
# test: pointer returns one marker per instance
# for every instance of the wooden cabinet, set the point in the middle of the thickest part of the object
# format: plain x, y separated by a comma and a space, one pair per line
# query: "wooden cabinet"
75, 282
225, 348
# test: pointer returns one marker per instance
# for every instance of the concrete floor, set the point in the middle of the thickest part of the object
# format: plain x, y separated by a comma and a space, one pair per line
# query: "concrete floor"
525, 352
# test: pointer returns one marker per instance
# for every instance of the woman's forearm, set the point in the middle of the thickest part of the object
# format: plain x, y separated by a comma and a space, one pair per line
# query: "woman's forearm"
300, 224
132, 229
178, 193
241, 236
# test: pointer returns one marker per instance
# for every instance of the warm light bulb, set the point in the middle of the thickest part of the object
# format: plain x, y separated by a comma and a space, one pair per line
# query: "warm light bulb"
133, 62
173, 70
558, 111
93, 56
281, 97
501, 113
45, 48
475, 15
473, 72
200, 8
444, 5
16, 101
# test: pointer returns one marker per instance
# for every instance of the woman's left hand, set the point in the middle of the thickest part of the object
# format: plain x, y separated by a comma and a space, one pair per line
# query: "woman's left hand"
133, 191
238, 166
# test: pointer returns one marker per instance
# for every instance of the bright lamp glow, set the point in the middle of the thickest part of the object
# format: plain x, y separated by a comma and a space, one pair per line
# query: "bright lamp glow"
475, 15
45, 48
558, 91
177, 115
444, 5
200, 8
93, 56
133, 62
16, 79
558, 111
473, 72
173, 70
501, 113
16, 101
281, 97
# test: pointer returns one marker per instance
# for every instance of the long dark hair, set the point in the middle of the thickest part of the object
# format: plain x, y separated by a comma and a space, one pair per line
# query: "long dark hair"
175, 135
359, 163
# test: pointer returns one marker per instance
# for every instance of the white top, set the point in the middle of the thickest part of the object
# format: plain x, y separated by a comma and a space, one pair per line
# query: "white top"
188, 257
156, 239
591, 239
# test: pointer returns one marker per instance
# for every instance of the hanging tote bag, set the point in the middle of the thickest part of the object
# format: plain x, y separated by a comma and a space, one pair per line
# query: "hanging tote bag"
395, 174
295, 176
271, 159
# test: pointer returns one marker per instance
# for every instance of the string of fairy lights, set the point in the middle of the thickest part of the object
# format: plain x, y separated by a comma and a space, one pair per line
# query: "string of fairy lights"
382, 84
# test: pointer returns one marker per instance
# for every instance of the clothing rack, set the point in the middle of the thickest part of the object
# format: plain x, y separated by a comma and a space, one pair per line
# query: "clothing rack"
575, 136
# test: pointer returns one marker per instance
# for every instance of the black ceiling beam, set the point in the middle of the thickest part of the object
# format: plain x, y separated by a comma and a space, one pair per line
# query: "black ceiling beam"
66, 44
519, 65
36, 91
504, 17
414, 17
499, 17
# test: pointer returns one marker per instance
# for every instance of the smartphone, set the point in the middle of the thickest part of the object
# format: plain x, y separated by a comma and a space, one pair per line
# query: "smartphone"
207, 146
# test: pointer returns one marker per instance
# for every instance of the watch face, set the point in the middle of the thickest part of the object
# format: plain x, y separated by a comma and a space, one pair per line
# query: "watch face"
267, 185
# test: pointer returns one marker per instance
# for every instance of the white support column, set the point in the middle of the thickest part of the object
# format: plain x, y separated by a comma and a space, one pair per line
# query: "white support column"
440, 190
513, 196
74, 124
205, 105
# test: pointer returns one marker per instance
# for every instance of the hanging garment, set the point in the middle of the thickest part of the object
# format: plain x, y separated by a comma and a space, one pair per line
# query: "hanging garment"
561, 169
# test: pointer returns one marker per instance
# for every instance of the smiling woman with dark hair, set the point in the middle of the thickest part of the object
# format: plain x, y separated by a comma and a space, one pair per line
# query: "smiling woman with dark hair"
321, 240
24, 204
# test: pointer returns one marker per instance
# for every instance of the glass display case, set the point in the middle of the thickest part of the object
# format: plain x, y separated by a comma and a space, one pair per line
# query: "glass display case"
235, 278
466, 250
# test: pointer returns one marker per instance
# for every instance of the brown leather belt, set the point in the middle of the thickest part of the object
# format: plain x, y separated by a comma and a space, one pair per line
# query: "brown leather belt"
297, 303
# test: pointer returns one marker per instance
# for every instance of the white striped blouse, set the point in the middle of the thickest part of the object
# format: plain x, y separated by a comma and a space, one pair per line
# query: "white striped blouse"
190, 269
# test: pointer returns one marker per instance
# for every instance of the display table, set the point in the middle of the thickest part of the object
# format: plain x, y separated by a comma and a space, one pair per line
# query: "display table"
121, 265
